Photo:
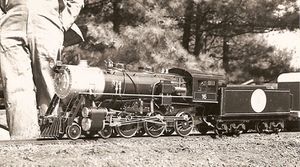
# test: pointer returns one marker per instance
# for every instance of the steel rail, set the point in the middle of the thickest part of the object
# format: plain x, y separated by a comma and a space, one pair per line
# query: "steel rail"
45, 141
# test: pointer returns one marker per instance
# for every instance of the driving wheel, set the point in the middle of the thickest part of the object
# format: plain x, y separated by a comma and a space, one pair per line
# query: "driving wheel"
184, 127
127, 131
155, 127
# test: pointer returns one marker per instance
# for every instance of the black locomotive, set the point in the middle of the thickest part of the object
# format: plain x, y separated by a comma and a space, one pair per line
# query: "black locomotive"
93, 101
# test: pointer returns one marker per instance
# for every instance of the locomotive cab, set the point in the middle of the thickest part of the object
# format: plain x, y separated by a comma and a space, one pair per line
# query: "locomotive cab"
202, 87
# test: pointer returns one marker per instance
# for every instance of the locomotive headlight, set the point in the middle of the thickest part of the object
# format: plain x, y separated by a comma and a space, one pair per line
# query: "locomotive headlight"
62, 83
85, 112
86, 124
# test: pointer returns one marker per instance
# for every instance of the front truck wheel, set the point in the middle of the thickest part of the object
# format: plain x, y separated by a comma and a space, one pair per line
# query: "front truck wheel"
106, 132
73, 131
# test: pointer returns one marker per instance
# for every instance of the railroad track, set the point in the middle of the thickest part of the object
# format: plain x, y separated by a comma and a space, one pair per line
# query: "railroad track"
65, 140
43, 141
37, 141
49, 141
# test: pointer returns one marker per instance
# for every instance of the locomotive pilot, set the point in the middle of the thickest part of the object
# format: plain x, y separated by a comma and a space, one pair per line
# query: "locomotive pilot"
31, 38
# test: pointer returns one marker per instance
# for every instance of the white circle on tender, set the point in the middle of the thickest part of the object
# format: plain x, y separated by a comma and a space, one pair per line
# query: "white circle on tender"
258, 100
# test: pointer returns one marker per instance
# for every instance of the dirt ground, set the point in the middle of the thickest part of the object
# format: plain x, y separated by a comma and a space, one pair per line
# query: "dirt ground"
250, 149
198, 150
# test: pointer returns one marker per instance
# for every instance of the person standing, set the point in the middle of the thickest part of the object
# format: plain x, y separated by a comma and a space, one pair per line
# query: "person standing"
31, 38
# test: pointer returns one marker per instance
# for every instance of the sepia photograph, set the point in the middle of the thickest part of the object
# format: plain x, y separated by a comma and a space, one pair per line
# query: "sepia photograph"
154, 83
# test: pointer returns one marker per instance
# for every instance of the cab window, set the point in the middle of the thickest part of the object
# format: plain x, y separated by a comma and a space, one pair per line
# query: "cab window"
206, 86
211, 86
202, 86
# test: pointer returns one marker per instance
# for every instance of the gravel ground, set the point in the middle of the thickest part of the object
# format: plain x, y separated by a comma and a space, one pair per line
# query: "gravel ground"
250, 149
198, 150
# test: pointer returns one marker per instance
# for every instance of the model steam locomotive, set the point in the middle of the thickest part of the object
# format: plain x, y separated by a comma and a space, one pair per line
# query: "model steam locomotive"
93, 101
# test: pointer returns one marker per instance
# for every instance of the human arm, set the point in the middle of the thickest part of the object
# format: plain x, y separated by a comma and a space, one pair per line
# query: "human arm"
3, 4
70, 11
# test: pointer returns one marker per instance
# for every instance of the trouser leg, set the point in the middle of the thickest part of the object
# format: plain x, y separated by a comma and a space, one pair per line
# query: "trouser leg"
19, 89
45, 45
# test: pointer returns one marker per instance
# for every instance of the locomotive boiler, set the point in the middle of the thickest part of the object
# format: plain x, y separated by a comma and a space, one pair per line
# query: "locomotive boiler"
93, 101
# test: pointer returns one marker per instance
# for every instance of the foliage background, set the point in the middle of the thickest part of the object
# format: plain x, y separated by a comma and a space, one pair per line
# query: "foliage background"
210, 36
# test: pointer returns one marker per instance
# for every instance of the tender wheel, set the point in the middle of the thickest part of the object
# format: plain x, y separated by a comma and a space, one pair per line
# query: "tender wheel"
276, 127
221, 129
261, 127
169, 131
240, 129
127, 131
237, 133
156, 127
73, 131
235, 130
219, 132
106, 132
184, 127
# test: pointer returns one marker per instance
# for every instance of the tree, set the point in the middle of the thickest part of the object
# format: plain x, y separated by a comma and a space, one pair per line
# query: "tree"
223, 20
254, 58
154, 39
187, 25
199, 34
